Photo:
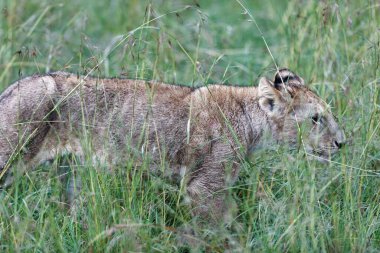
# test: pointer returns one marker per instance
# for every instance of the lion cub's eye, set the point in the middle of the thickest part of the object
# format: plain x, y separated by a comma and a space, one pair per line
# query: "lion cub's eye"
316, 119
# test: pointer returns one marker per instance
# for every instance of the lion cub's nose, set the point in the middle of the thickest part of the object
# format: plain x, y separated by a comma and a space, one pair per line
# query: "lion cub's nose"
340, 139
339, 144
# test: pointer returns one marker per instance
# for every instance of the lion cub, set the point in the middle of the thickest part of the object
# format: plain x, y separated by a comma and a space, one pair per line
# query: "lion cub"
202, 133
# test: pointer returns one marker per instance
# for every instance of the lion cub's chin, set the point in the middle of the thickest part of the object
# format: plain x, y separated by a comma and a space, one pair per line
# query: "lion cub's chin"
320, 158
313, 154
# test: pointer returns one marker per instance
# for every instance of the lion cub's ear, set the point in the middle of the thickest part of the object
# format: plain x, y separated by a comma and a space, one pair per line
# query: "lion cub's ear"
270, 98
287, 78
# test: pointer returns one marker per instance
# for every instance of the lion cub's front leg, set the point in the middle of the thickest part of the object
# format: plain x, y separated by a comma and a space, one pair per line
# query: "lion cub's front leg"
208, 186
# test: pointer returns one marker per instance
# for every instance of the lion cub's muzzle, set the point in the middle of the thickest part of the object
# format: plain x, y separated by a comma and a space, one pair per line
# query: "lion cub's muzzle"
340, 139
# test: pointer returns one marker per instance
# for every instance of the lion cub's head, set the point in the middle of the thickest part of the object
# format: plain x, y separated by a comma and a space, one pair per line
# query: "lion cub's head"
295, 111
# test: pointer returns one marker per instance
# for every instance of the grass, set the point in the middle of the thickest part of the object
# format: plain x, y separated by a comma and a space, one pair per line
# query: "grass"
284, 202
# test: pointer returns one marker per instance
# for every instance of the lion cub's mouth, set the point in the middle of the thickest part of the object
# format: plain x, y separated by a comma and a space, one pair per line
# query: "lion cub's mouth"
322, 155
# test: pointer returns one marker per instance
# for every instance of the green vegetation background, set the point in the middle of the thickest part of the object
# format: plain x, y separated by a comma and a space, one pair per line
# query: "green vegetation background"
284, 202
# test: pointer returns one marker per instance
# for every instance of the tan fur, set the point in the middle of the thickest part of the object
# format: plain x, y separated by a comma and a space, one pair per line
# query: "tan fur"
202, 133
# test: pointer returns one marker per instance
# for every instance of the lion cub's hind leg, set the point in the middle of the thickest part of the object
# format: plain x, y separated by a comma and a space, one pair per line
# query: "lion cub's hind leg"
25, 110
56, 144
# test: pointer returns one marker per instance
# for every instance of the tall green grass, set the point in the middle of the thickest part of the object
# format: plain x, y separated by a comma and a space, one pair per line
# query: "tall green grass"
284, 202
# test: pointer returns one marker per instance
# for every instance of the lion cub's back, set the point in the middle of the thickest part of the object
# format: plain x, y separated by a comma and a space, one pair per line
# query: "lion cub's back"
105, 94
117, 109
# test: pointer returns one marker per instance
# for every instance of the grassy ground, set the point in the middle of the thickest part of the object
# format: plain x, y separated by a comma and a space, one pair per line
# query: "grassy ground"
284, 203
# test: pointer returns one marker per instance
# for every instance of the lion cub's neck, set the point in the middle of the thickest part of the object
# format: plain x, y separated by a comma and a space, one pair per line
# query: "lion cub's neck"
237, 109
